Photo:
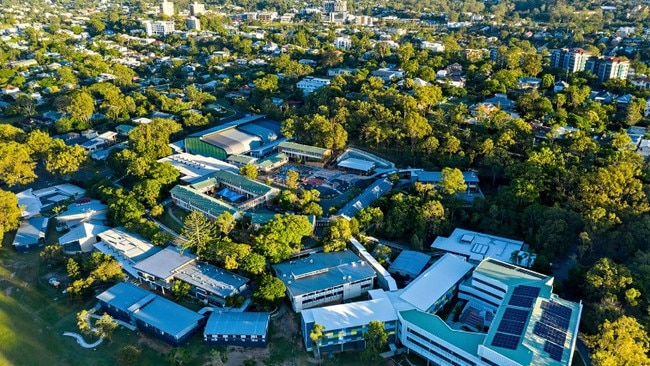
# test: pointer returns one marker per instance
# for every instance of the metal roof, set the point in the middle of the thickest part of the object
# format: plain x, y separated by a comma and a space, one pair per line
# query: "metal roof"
367, 197
206, 203
357, 164
211, 278
232, 141
304, 148
168, 316
126, 244
322, 271
235, 323
164, 263
409, 262
354, 314
478, 246
123, 295
430, 286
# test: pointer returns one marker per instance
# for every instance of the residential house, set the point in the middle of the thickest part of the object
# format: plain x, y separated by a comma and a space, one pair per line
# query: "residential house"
81, 238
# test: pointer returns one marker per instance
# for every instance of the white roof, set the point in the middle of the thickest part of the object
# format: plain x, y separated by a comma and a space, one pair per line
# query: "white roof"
427, 288
81, 232
66, 189
357, 164
478, 246
386, 278
30, 204
354, 314
193, 166
126, 244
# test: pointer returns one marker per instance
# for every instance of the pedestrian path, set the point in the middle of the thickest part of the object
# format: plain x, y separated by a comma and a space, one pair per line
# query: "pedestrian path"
82, 342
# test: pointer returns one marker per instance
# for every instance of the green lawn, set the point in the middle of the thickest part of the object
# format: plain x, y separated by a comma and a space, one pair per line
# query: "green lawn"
33, 316
168, 221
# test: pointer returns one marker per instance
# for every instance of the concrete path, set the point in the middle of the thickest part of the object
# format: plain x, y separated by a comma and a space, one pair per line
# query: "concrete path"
82, 342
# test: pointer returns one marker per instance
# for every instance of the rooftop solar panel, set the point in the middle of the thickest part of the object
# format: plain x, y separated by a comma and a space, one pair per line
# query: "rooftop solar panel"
516, 314
557, 309
505, 341
549, 333
554, 350
529, 291
521, 301
555, 321
511, 327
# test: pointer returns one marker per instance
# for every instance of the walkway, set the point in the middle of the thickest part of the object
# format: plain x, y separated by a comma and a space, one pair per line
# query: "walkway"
82, 342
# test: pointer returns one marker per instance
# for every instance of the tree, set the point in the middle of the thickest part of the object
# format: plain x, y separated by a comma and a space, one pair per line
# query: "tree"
80, 105
129, 354
10, 213
180, 289
83, 322
282, 236
620, 342
452, 181
266, 84
316, 336
254, 264
151, 140
199, 231
376, 340
16, 164
292, 179
193, 118
104, 326
123, 75
336, 235
52, 254
607, 278
73, 269
271, 289
64, 160
370, 216
249, 171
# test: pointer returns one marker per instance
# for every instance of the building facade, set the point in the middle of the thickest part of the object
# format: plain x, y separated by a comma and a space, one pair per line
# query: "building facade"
167, 8
606, 68
569, 59
197, 9
324, 278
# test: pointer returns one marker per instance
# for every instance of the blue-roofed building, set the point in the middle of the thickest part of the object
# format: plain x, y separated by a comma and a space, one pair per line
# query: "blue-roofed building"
366, 198
323, 278
150, 312
31, 233
409, 264
237, 329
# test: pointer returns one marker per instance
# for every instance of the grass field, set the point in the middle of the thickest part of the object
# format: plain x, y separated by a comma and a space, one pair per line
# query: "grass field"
34, 315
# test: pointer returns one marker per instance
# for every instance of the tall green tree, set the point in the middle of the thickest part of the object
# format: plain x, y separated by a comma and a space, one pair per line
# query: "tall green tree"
9, 213
376, 340
199, 232
620, 342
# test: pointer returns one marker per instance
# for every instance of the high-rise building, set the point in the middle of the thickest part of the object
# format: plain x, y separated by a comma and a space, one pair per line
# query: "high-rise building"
197, 9
331, 6
606, 68
193, 23
167, 8
159, 28
570, 59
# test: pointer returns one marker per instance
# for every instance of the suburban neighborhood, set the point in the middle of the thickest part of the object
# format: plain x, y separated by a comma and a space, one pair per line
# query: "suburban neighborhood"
338, 183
